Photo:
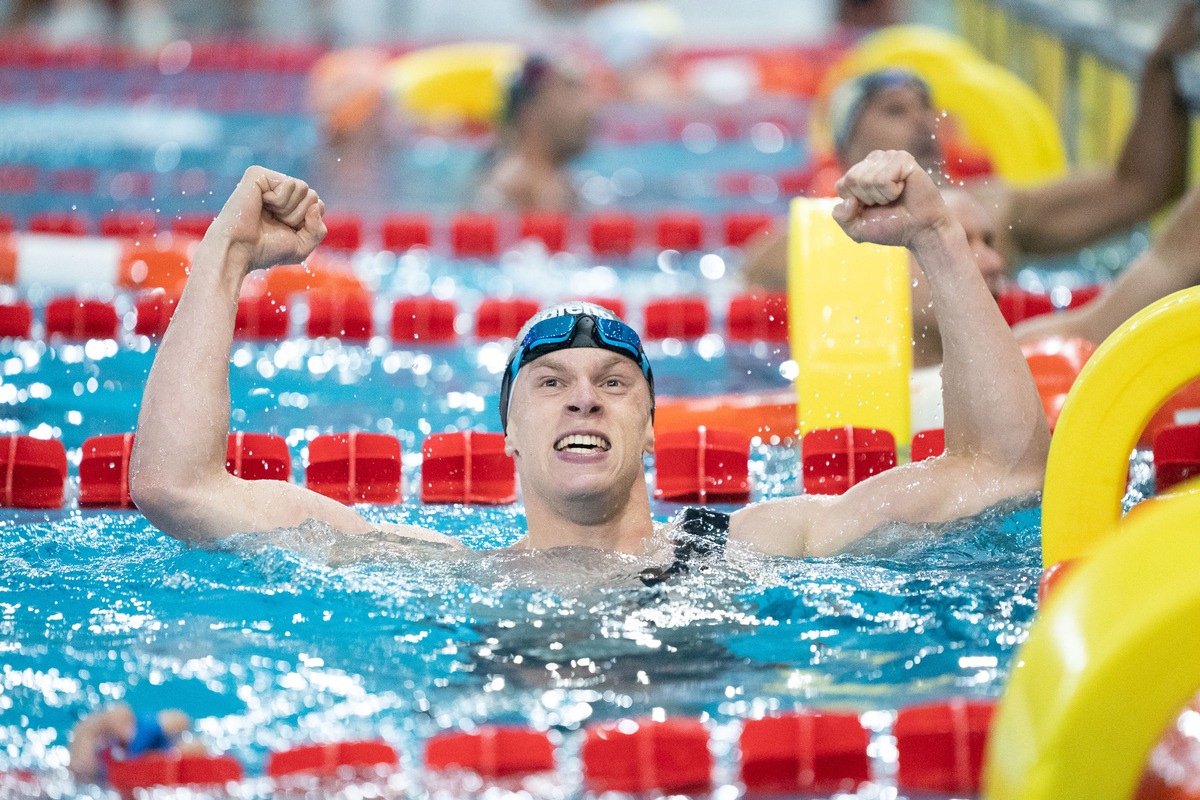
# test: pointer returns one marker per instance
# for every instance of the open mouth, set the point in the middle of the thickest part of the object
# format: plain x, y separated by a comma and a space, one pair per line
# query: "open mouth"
582, 443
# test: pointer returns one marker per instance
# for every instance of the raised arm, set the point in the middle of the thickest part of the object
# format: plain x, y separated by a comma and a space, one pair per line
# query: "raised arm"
1072, 213
177, 473
1172, 263
996, 432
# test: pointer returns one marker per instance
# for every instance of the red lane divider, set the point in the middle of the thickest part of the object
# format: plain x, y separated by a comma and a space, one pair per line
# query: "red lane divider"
804, 752
467, 467
492, 751
343, 232
681, 231
258, 457
834, 459
423, 319
34, 472
1176, 455
81, 319
104, 471
1052, 576
1055, 364
675, 318
941, 745
548, 227
345, 314
330, 760
355, 467
153, 312
474, 235
402, 232
59, 224
1018, 304
637, 756
132, 224
702, 466
172, 769
758, 317
612, 233
928, 444
741, 227
195, 225
16, 319
262, 316
502, 319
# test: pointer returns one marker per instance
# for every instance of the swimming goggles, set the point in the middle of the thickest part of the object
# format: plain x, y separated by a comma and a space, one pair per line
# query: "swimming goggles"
574, 330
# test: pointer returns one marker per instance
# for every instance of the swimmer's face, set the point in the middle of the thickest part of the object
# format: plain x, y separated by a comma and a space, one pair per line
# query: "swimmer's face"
896, 118
980, 227
578, 424
565, 110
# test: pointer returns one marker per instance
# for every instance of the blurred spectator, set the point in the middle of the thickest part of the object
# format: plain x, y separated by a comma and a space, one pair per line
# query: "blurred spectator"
547, 120
142, 24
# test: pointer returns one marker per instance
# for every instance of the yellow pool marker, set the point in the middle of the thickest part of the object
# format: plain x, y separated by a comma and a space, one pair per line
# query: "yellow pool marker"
1138, 367
850, 323
1105, 667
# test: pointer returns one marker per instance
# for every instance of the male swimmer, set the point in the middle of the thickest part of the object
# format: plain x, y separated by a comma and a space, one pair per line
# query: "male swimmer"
892, 109
578, 398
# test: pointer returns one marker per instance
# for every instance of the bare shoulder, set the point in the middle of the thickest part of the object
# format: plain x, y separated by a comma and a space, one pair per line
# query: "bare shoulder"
781, 527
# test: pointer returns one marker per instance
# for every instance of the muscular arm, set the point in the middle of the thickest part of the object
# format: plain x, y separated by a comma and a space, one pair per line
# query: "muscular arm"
1075, 212
177, 473
996, 433
1172, 263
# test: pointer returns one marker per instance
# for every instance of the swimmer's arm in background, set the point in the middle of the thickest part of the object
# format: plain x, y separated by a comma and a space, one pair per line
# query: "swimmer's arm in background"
177, 472
1171, 264
996, 433
1077, 211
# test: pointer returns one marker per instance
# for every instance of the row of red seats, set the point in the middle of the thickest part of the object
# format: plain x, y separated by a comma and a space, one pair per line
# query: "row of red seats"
940, 748
469, 234
692, 466
348, 314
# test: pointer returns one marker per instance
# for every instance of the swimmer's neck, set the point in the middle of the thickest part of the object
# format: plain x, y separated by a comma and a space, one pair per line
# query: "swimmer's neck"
628, 529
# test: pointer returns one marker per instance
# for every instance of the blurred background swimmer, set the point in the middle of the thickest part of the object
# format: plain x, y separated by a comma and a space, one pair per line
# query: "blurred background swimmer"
546, 120
894, 109
117, 733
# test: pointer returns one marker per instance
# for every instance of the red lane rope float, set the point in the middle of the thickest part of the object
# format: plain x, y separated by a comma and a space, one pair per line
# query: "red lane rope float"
928, 444
73, 318
804, 752
834, 459
402, 232
263, 316
1055, 364
423, 319
258, 457
547, 227
104, 471
612, 233
355, 467
741, 227
35, 472
132, 224
702, 466
492, 751
474, 235
675, 318
16, 319
1176, 455
344, 314
343, 232
670, 756
679, 230
1185, 401
172, 769
758, 317
502, 319
941, 745
331, 760
153, 311
467, 467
